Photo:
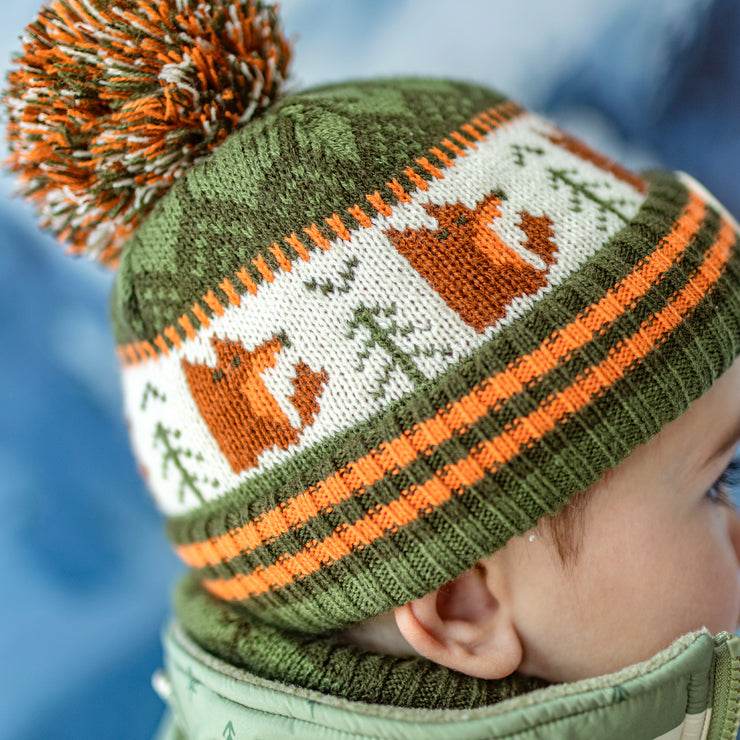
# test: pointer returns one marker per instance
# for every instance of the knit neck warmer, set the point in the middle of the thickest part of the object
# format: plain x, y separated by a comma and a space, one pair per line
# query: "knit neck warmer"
325, 664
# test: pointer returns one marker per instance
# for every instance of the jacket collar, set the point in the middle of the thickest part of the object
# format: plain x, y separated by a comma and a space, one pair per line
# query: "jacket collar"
688, 691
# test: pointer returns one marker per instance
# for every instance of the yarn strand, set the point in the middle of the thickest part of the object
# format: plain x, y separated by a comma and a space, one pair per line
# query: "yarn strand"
110, 102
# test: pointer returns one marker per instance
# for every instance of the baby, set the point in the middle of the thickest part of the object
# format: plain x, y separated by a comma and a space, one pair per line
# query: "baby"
439, 403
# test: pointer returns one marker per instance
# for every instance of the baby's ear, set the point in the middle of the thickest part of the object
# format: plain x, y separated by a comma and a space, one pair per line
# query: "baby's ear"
465, 626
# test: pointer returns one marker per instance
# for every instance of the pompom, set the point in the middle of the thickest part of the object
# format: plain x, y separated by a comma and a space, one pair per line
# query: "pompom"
112, 99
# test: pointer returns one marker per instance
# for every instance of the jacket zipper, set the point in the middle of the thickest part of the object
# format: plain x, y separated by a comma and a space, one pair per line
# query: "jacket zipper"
726, 699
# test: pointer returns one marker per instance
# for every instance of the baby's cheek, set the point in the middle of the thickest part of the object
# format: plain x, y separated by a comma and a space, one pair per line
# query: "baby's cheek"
708, 585
724, 594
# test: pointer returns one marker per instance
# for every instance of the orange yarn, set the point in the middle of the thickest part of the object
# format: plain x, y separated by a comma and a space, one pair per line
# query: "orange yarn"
110, 102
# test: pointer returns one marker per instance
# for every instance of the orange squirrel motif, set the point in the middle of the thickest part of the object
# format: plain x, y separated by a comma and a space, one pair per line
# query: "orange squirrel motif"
234, 401
470, 266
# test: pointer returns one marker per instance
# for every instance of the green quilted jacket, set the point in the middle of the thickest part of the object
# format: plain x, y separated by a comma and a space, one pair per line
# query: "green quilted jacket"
690, 691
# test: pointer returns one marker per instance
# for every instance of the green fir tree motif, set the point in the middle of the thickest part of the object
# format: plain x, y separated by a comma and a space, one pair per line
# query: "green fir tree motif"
151, 392
520, 149
193, 683
381, 332
347, 275
175, 455
229, 732
582, 191
579, 191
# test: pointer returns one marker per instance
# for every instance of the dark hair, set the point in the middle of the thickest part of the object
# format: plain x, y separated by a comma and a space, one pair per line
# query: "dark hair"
566, 526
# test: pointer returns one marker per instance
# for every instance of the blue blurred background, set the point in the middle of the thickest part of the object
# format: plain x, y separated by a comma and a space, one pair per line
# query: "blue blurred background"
84, 569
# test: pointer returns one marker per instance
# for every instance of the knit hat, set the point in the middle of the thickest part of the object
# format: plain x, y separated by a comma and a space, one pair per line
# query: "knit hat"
376, 330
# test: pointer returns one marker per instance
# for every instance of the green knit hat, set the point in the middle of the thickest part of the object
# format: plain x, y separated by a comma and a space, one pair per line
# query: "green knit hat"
384, 326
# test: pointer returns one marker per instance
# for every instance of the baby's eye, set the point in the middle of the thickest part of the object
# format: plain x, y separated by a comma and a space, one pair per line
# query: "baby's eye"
720, 491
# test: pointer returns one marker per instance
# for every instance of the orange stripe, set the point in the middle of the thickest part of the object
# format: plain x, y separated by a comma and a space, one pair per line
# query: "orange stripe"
317, 237
297, 244
468, 129
417, 179
338, 227
159, 341
186, 324
137, 353
171, 333
362, 218
201, 315
513, 109
397, 190
442, 157
213, 303
415, 501
459, 137
379, 204
489, 120
150, 350
480, 123
263, 268
398, 453
454, 147
231, 294
246, 280
430, 168
496, 116
122, 356
283, 262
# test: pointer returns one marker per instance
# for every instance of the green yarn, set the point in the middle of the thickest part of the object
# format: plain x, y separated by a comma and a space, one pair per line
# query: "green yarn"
327, 665
309, 156
608, 266
406, 563
342, 511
